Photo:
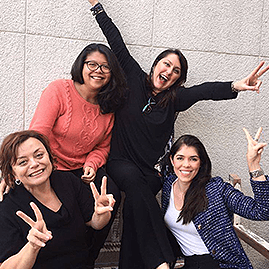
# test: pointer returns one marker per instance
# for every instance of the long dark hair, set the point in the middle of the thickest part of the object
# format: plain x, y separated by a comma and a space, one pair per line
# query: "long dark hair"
170, 93
9, 148
112, 96
195, 200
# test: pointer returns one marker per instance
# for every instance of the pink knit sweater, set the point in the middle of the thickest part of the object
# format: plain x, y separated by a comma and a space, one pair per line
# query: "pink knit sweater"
79, 134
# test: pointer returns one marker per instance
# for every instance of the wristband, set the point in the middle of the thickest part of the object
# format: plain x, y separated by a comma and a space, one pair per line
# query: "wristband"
256, 173
233, 88
97, 9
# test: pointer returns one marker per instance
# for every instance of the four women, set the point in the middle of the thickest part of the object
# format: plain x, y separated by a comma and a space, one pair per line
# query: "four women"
79, 121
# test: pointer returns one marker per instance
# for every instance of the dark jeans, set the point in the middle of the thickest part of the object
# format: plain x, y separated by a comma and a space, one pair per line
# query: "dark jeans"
96, 238
200, 262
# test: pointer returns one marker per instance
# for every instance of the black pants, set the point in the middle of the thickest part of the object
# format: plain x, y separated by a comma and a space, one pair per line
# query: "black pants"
96, 238
200, 262
144, 243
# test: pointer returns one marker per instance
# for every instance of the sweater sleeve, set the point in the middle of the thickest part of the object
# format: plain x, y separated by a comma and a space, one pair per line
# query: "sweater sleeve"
215, 91
48, 110
98, 156
256, 208
116, 43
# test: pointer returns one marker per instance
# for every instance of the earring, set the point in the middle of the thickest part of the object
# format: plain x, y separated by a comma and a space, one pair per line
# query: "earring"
17, 182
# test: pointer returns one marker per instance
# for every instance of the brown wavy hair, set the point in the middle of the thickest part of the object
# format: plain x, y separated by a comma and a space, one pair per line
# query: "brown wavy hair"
9, 149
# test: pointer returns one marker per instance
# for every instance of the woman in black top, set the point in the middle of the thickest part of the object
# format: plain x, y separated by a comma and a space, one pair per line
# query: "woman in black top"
141, 131
52, 208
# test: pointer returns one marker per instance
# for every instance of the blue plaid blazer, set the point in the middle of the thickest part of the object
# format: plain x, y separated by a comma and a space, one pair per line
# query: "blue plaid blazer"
215, 224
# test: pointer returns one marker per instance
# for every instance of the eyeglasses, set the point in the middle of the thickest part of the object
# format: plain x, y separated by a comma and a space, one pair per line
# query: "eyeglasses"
93, 66
147, 108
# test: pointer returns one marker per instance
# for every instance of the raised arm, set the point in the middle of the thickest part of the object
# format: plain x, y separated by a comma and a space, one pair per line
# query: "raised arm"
254, 152
37, 237
256, 208
114, 38
219, 90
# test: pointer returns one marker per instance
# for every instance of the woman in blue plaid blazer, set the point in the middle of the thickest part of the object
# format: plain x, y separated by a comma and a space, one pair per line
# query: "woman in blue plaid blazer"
198, 209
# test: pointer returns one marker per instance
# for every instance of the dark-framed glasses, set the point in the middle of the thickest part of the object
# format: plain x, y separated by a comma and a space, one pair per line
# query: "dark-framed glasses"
148, 107
93, 66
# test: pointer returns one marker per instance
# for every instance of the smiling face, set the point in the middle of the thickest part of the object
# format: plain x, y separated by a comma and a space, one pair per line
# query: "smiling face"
186, 164
166, 72
33, 166
94, 80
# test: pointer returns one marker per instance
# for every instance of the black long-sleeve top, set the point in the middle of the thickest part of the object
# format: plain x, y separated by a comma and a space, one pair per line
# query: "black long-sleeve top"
68, 248
142, 137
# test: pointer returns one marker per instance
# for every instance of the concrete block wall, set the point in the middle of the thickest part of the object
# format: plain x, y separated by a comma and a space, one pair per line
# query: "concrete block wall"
222, 40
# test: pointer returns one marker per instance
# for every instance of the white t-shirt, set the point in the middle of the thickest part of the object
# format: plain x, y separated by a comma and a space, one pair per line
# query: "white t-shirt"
186, 235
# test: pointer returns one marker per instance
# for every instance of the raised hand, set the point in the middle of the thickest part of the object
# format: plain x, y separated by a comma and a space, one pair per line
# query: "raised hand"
89, 175
251, 82
38, 234
255, 150
103, 202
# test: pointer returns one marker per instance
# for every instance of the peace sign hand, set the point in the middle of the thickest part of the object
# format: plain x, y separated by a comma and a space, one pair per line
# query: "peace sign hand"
255, 150
103, 202
251, 82
38, 235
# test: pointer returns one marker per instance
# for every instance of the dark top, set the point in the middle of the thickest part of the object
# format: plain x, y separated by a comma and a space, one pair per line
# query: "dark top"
141, 137
67, 248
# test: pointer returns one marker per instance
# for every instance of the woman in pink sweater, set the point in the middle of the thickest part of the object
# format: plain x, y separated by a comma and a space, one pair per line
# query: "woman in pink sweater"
77, 116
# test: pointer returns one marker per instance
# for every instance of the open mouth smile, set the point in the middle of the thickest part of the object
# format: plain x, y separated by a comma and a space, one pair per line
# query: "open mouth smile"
37, 173
184, 172
163, 78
